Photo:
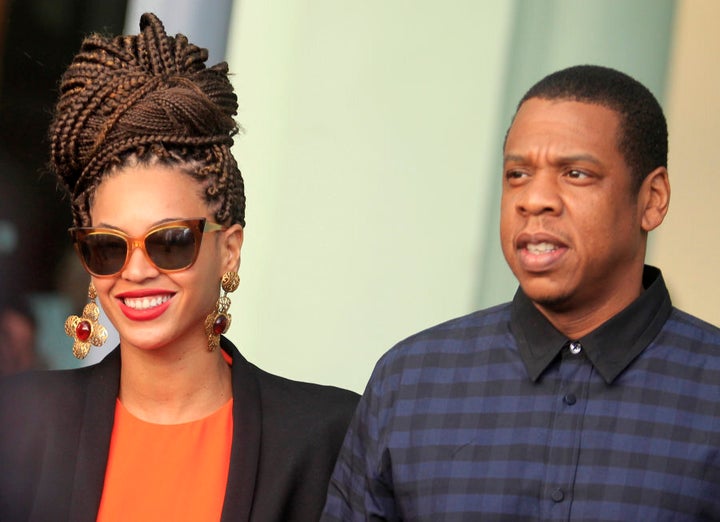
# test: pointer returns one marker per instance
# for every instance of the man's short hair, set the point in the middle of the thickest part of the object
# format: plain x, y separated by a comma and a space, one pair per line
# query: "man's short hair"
642, 139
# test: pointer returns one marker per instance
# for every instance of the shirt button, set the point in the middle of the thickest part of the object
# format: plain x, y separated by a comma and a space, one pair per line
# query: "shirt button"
557, 495
570, 399
575, 347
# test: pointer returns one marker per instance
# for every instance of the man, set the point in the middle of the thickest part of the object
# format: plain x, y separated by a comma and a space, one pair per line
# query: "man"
588, 397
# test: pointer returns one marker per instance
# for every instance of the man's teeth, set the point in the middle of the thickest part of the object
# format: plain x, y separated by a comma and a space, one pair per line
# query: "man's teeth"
143, 303
540, 248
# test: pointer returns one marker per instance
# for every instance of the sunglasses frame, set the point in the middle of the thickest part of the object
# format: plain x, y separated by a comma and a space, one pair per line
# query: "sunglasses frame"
198, 226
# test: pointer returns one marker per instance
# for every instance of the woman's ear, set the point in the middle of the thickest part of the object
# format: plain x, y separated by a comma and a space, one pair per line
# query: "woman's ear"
232, 244
654, 199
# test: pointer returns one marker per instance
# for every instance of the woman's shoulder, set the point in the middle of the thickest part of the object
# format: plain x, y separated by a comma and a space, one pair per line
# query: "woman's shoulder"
39, 391
41, 381
49, 392
304, 398
303, 426
308, 409
35, 407
291, 397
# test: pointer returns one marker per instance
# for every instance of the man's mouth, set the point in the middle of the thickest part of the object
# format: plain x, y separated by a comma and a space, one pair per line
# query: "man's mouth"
541, 248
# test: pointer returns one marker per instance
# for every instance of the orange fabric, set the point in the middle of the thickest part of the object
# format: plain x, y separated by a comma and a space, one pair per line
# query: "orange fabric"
167, 472
227, 357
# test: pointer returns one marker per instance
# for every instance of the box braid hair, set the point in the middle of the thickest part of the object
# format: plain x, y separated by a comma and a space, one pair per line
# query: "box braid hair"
148, 99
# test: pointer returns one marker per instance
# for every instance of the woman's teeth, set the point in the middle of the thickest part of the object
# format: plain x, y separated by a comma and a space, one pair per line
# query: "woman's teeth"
143, 303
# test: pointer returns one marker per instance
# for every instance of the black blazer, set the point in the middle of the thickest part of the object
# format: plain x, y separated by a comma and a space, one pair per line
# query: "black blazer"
55, 430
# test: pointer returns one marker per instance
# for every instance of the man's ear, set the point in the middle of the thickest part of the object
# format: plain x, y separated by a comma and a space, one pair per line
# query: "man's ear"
231, 246
654, 199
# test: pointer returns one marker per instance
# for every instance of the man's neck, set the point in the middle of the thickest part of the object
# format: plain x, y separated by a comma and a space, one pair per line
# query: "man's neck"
576, 322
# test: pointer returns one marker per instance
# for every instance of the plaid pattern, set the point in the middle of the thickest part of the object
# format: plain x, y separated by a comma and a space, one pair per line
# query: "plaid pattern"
454, 426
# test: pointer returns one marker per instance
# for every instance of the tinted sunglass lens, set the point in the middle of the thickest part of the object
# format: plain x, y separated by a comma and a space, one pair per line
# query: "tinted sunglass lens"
104, 254
171, 248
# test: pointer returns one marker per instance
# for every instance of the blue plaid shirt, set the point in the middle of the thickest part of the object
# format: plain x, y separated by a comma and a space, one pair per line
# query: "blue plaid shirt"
497, 416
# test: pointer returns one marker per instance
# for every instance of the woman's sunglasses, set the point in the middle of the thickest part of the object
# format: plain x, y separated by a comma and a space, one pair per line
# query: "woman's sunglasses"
170, 247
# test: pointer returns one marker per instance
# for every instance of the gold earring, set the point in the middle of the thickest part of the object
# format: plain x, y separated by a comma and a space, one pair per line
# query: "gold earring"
218, 321
86, 330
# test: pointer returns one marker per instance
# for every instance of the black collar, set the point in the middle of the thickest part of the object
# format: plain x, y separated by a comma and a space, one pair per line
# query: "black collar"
611, 347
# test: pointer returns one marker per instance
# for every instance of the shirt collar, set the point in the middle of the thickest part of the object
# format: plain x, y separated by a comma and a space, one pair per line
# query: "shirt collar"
611, 347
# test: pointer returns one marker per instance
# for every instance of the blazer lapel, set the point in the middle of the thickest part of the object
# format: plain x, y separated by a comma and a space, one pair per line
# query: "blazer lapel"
94, 445
245, 452
96, 431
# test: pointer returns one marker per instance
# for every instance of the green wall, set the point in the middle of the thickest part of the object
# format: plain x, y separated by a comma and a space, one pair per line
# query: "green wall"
371, 155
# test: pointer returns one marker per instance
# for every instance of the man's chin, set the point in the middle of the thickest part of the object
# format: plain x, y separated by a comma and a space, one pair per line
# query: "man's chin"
551, 299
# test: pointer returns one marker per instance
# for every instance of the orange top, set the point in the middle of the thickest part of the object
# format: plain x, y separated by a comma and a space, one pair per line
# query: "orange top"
167, 471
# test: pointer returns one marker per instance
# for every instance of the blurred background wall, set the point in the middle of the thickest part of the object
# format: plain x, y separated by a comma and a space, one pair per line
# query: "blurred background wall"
372, 158
687, 246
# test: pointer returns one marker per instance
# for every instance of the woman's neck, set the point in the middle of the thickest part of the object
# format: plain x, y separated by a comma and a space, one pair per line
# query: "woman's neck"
171, 387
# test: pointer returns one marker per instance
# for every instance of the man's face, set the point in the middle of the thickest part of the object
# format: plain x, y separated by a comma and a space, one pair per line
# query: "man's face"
570, 223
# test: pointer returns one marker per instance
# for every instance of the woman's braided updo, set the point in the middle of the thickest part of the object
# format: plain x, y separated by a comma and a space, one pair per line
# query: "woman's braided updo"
146, 98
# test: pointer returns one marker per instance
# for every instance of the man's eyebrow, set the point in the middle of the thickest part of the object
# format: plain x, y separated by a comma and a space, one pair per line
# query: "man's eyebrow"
572, 158
561, 160
513, 157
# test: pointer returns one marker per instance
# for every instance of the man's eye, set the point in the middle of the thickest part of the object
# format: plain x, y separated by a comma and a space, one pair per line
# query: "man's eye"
577, 174
514, 174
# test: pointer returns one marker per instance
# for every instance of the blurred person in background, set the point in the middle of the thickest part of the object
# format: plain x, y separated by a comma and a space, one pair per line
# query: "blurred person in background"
18, 348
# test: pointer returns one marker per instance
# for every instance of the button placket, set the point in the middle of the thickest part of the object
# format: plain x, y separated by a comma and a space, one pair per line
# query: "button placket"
569, 399
566, 430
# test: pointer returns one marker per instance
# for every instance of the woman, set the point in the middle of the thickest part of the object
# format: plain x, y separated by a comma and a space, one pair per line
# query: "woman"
174, 424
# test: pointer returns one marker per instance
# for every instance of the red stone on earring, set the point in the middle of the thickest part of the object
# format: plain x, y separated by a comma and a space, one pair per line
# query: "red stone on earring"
220, 324
83, 331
